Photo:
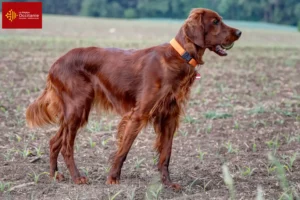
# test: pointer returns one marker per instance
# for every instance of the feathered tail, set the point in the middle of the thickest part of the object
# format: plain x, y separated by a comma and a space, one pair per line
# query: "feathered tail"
46, 109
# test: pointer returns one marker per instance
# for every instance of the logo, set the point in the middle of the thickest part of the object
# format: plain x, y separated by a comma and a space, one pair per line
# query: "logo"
17, 15
11, 15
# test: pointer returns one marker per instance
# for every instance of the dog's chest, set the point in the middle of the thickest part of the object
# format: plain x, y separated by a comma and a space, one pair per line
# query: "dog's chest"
175, 100
182, 92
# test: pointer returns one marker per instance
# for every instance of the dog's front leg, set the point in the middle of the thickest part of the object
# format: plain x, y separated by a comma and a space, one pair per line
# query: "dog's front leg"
165, 128
130, 128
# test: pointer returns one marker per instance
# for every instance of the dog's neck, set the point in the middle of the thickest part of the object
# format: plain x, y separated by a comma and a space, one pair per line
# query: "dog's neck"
195, 51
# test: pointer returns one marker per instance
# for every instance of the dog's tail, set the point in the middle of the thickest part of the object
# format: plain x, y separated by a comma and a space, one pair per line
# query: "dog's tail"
46, 109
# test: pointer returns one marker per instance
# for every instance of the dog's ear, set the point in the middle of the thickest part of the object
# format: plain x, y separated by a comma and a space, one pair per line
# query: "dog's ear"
194, 28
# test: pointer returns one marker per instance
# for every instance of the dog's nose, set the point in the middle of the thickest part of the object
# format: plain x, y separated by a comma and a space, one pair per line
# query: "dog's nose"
238, 33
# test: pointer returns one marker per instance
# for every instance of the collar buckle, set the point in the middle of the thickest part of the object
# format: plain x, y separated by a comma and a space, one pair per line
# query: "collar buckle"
183, 53
187, 56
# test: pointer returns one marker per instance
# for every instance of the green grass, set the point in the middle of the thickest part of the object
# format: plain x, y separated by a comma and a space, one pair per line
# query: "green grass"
216, 115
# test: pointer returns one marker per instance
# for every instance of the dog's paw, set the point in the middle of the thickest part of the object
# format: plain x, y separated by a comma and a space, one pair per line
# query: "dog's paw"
175, 186
58, 176
81, 180
112, 181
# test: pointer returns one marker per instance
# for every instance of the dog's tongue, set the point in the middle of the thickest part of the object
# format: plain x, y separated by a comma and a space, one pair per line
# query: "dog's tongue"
220, 51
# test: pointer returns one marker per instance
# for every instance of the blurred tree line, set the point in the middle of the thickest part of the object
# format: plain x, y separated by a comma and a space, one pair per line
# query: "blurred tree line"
275, 11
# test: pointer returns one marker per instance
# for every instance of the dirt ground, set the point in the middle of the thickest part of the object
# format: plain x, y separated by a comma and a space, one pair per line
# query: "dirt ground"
245, 107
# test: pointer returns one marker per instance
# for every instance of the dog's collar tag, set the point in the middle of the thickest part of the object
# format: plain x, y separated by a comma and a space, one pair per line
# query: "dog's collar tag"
184, 54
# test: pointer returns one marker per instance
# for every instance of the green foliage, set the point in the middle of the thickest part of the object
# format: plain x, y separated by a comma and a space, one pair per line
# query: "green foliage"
94, 8
36, 176
4, 186
115, 195
215, 115
230, 148
228, 180
154, 191
283, 12
189, 119
201, 154
115, 10
130, 13
289, 192
247, 171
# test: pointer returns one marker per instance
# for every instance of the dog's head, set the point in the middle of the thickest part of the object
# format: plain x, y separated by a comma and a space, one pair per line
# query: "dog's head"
206, 29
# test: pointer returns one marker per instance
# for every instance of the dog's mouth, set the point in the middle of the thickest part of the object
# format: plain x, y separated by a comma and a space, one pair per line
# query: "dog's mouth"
221, 49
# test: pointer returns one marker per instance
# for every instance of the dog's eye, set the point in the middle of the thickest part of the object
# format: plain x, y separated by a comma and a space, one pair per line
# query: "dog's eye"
216, 22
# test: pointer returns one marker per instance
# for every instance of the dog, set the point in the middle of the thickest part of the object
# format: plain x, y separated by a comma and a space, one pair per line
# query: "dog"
143, 86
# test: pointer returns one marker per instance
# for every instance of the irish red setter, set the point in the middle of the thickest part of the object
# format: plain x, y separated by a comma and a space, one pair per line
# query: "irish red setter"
144, 86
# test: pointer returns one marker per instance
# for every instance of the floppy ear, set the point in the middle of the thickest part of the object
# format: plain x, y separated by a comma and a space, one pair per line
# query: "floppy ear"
194, 29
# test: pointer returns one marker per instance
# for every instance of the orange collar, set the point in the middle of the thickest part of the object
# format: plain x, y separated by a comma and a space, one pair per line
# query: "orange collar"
184, 54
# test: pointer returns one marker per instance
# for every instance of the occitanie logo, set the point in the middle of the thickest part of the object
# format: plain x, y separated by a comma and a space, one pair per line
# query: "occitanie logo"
16, 15
11, 15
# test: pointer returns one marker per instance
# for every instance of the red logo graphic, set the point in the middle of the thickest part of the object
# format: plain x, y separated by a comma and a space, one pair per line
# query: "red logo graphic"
21, 15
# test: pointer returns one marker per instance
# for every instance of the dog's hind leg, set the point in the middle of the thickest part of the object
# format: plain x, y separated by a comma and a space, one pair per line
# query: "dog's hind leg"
67, 151
76, 118
55, 147
77, 106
